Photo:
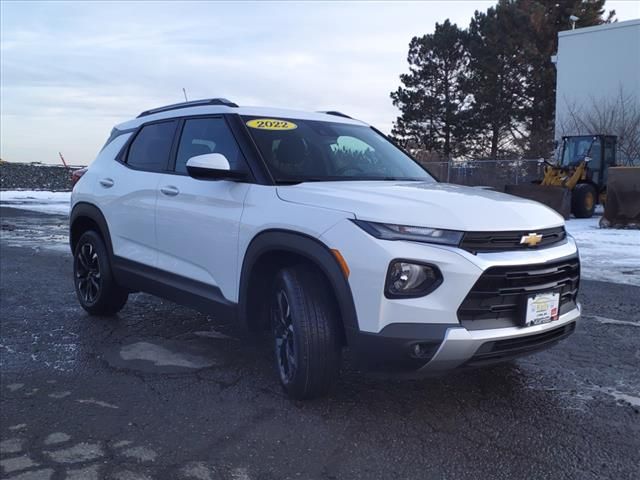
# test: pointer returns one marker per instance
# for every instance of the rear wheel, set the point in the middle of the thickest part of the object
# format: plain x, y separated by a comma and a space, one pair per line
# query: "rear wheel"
583, 200
95, 287
305, 332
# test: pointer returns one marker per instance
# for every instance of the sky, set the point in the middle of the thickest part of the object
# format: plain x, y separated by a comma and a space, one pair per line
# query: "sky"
70, 71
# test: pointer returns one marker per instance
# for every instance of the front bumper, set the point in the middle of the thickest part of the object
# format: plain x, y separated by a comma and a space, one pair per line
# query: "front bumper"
368, 259
462, 347
443, 330
447, 347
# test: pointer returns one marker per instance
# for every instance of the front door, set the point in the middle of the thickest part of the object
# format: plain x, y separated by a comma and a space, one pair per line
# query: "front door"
198, 221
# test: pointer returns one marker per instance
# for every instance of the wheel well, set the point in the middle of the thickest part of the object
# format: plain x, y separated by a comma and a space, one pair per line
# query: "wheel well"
261, 278
80, 225
590, 182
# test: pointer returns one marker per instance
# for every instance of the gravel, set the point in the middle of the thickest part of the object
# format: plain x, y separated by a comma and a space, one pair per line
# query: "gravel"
570, 412
34, 176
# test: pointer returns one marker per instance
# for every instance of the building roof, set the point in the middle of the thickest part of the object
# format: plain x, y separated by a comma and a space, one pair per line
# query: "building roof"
600, 28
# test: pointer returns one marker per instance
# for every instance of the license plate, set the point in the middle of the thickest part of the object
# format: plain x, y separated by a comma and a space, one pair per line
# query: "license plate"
542, 308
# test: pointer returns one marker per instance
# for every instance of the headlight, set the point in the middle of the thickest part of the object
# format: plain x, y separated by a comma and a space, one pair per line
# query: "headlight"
406, 278
388, 231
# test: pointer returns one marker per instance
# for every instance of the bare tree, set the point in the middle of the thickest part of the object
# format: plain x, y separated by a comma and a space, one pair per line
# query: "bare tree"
619, 116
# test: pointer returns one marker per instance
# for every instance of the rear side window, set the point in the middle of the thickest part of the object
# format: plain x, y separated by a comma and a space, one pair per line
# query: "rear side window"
208, 135
151, 148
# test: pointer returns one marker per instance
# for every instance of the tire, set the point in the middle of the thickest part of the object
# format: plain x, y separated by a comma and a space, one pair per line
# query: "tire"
305, 330
583, 200
95, 287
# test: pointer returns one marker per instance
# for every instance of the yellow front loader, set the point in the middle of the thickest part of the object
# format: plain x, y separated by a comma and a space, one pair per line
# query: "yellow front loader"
577, 182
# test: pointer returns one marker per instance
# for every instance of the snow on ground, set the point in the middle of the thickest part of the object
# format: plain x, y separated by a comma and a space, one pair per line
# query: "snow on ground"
606, 254
37, 201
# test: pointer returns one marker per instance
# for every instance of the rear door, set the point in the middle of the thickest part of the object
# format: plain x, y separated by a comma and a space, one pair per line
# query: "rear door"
198, 220
130, 192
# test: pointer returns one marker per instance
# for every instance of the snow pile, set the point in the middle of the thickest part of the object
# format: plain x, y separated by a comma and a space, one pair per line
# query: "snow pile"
37, 201
606, 254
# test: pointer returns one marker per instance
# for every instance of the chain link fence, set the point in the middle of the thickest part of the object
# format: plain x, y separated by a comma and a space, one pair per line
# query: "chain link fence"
488, 173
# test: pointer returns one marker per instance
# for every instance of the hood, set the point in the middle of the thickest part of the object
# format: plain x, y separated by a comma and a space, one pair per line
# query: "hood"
437, 205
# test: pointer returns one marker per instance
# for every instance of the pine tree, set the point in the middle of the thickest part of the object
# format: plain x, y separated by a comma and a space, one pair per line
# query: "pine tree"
488, 91
496, 81
430, 98
545, 18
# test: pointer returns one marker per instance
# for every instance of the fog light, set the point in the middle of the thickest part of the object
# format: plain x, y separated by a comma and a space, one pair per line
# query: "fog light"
423, 350
409, 279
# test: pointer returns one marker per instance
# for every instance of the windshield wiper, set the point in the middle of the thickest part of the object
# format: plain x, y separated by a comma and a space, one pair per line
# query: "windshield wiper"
293, 181
401, 179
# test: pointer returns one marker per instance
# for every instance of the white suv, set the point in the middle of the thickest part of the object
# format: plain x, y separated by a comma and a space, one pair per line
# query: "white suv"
318, 227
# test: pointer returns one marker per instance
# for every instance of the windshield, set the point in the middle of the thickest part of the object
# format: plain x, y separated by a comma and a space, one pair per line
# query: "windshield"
308, 150
575, 150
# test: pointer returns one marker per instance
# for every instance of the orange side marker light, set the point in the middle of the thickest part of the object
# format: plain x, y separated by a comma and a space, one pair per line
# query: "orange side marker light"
342, 262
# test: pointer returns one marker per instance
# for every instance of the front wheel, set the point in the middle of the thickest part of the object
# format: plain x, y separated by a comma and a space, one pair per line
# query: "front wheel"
583, 200
305, 330
95, 286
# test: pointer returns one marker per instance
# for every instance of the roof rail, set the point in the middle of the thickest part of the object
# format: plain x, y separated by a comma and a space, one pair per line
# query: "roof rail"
193, 103
337, 114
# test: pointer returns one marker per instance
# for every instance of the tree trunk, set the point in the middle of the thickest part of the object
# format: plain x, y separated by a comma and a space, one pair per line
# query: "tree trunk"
495, 136
447, 116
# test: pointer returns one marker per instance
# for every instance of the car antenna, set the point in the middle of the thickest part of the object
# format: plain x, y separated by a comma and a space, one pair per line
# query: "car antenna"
185, 94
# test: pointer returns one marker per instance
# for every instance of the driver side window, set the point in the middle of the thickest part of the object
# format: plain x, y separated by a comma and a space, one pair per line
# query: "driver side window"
207, 135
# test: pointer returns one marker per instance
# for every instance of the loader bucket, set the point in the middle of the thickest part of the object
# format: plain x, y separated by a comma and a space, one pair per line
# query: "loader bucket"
622, 208
558, 198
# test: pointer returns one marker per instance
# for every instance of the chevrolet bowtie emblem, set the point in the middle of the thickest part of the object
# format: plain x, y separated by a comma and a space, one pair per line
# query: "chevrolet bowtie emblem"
531, 240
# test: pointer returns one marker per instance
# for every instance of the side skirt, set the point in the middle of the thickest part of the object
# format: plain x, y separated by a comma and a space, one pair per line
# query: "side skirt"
185, 291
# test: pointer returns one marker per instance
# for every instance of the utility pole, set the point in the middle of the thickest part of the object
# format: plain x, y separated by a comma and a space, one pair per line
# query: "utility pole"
63, 162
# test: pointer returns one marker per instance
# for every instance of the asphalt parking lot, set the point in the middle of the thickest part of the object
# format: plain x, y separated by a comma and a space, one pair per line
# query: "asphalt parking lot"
165, 392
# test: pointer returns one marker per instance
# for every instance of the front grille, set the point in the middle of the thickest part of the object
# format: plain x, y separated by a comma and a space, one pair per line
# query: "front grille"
501, 350
498, 298
478, 242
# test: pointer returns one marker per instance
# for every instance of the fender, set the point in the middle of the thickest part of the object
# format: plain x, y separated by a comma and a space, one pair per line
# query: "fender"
90, 211
313, 250
593, 184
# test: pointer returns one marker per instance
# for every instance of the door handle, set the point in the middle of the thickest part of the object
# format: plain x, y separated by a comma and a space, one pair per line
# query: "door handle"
106, 182
170, 190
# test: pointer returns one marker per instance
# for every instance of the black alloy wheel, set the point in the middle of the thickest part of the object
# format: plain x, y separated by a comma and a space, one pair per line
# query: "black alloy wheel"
95, 285
88, 277
284, 336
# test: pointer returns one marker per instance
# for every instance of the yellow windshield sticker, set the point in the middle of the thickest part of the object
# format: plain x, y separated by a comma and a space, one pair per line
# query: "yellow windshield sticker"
271, 124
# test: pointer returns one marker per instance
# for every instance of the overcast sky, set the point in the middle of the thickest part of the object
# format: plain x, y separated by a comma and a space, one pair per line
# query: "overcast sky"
71, 70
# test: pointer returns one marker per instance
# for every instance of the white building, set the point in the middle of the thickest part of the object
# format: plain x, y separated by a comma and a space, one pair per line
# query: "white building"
595, 65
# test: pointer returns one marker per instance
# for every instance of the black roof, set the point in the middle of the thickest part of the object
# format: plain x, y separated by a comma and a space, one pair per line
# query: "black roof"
193, 103
337, 114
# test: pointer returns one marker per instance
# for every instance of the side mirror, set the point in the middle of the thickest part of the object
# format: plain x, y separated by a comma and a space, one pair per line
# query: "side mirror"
212, 166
